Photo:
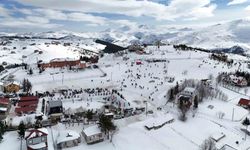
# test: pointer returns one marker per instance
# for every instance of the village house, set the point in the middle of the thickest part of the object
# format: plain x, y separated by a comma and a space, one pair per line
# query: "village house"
64, 62
67, 139
93, 134
244, 103
36, 139
187, 96
12, 87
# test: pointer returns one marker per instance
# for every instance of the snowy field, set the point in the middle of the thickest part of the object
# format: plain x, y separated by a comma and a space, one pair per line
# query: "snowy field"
139, 83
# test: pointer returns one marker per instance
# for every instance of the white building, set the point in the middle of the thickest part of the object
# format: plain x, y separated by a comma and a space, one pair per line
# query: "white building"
93, 134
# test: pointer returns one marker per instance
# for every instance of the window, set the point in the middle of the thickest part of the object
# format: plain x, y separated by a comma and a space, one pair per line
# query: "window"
30, 141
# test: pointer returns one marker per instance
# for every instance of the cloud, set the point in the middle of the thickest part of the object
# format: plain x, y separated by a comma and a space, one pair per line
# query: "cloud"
175, 9
235, 2
26, 23
247, 8
4, 12
69, 16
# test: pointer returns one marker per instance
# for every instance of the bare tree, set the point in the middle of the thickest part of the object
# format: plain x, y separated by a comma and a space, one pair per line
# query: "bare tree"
246, 91
220, 114
208, 144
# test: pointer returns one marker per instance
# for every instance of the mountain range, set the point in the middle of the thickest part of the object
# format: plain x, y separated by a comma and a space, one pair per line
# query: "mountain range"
223, 35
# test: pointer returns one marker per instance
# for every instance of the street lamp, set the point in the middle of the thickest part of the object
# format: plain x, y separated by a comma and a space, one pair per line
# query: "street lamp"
62, 77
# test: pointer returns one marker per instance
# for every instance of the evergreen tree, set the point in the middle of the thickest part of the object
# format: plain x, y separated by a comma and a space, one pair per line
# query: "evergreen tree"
89, 115
2, 130
171, 94
30, 71
106, 124
176, 89
21, 130
24, 84
246, 122
1, 68
196, 102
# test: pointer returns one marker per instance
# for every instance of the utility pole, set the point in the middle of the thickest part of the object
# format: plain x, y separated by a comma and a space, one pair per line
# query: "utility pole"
53, 138
233, 115
111, 76
21, 147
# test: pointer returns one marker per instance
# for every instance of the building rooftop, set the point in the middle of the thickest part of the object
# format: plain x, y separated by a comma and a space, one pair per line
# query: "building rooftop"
62, 59
53, 103
67, 135
92, 130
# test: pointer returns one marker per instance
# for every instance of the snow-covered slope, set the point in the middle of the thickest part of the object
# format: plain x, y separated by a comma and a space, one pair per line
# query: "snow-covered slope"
218, 36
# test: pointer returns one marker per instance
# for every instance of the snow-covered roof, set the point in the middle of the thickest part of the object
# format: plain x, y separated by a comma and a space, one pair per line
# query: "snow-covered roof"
44, 130
92, 130
67, 135
14, 82
38, 146
36, 132
228, 141
62, 59
152, 122
189, 89
3, 109
218, 136
55, 103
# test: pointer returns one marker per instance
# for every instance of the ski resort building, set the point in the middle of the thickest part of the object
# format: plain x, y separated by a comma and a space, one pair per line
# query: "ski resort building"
64, 62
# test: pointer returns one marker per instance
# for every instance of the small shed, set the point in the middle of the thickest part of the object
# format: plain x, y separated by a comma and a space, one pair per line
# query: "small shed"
93, 134
68, 138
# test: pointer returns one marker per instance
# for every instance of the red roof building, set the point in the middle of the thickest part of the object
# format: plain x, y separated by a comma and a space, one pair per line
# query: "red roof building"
4, 101
29, 98
4, 105
27, 104
64, 62
37, 139
244, 103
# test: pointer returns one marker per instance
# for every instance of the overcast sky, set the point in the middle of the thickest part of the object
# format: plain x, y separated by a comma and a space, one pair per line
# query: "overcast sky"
98, 15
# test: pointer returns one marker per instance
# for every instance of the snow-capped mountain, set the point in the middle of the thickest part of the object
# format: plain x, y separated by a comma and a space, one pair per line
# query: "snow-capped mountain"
224, 35
217, 36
